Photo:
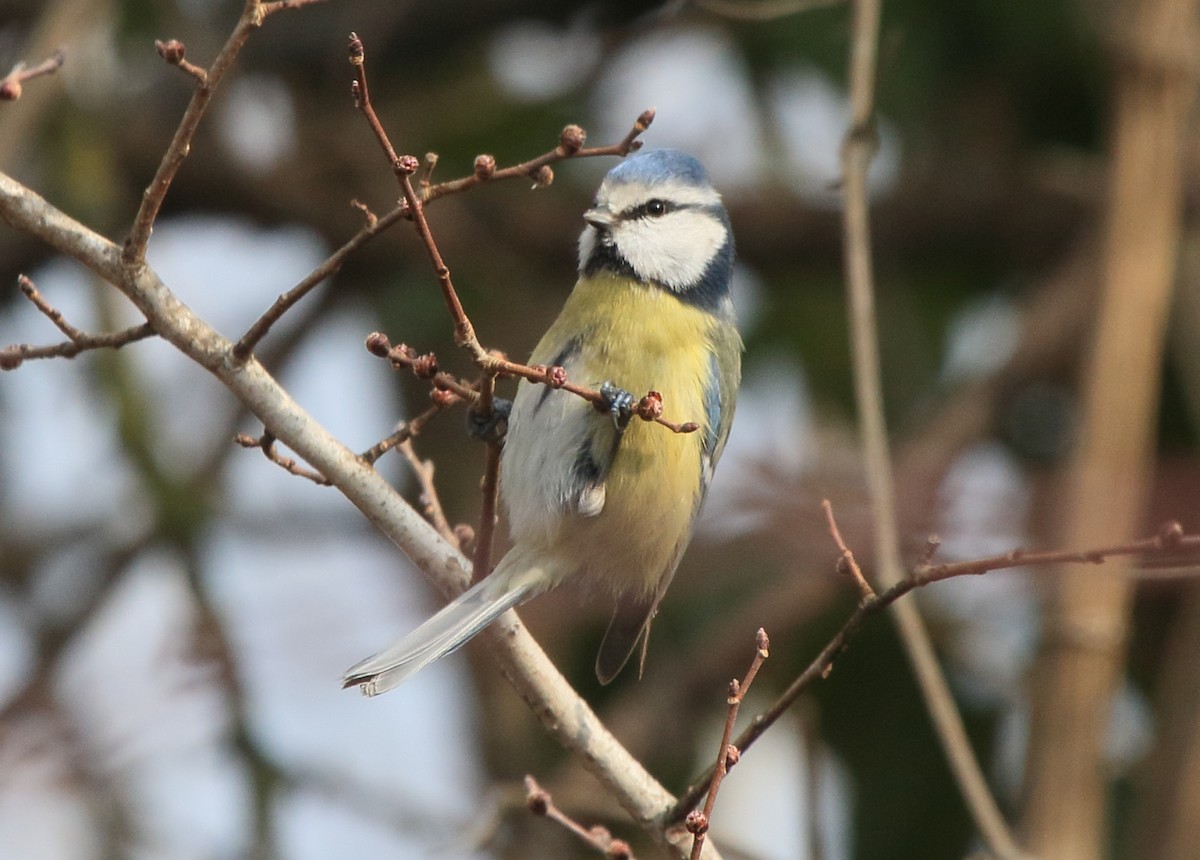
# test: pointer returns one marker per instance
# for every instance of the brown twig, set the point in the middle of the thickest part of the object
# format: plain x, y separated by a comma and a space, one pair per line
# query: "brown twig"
539, 802
1170, 542
207, 81
12, 84
404, 166
489, 487
559, 709
430, 500
847, 562
372, 228
78, 341
426, 366
173, 53
570, 146
406, 431
266, 443
857, 153
698, 821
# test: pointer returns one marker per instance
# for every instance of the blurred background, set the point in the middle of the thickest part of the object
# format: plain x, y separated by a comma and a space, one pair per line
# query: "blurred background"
175, 611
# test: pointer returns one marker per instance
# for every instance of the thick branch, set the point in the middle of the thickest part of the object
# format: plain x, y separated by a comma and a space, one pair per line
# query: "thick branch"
562, 712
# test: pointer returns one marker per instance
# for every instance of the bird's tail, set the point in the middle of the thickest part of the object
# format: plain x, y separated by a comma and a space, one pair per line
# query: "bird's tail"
451, 628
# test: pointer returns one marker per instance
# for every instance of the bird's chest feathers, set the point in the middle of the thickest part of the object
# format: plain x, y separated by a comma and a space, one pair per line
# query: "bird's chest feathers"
637, 490
639, 337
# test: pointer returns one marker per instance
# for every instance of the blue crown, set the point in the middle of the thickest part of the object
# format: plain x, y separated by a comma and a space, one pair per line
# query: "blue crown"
658, 166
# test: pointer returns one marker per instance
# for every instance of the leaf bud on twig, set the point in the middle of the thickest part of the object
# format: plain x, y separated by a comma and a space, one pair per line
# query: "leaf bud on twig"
172, 50
572, 139
377, 343
618, 849
356, 49
485, 166
650, 407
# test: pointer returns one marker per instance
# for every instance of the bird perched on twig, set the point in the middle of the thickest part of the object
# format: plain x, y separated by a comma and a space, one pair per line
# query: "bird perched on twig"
591, 495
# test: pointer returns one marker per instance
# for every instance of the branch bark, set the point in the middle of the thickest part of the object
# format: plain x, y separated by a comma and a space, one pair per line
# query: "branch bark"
565, 716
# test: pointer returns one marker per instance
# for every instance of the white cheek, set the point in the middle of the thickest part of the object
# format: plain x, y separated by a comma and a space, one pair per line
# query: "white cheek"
673, 250
587, 244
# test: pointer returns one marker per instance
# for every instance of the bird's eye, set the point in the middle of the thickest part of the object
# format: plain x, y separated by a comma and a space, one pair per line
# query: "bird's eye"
656, 208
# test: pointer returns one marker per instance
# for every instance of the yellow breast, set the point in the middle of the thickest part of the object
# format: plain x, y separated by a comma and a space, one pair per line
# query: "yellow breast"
642, 339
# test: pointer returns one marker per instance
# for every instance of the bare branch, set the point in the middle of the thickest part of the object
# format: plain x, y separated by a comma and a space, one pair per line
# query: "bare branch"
266, 442
372, 228
539, 802
405, 431
698, 822
570, 146
432, 502
11, 357
564, 715
12, 84
426, 366
489, 485
1170, 544
847, 562
253, 15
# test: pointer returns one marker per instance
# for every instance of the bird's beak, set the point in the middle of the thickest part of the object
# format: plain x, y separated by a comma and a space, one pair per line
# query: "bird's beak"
600, 217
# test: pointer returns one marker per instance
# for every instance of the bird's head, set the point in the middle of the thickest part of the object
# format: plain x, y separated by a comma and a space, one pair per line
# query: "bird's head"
657, 218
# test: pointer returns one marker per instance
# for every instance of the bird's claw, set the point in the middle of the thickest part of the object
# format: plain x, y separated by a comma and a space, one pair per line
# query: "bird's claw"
494, 427
619, 403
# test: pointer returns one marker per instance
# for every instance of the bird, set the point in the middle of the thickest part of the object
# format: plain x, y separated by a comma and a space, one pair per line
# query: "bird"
591, 495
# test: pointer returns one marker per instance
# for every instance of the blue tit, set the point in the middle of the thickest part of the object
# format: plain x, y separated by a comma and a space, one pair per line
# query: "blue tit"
592, 496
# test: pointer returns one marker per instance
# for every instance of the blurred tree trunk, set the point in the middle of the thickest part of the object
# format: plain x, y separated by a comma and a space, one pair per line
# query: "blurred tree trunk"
1105, 487
1168, 804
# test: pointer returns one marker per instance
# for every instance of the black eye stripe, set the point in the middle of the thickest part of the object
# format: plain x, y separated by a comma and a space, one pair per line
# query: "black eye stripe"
655, 208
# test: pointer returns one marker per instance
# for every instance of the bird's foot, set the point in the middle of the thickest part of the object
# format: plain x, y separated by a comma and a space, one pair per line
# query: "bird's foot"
618, 403
494, 427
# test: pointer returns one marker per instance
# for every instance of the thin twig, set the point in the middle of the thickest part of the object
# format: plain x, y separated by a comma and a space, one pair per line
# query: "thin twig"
847, 561
539, 802
406, 430
430, 500
207, 81
266, 443
649, 407
560, 710
404, 166
12, 85
372, 228
427, 192
1170, 542
174, 53
570, 146
489, 486
698, 822
78, 341
857, 154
